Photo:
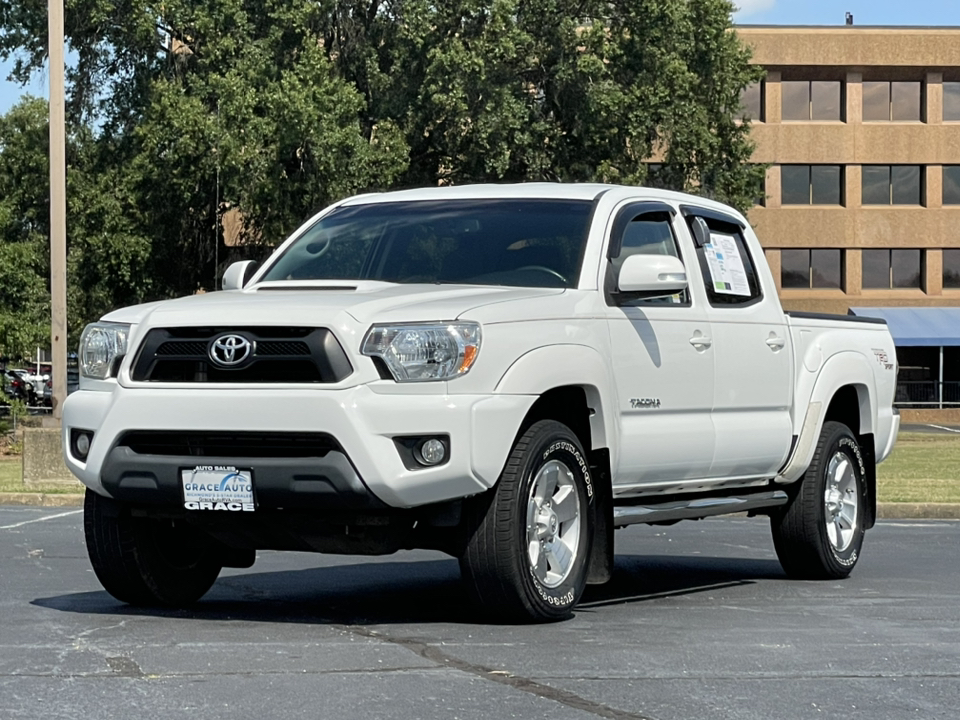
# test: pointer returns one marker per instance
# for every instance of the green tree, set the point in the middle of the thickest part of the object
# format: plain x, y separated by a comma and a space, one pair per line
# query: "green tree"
585, 90
201, 107
278, 107
106, 258
24, 262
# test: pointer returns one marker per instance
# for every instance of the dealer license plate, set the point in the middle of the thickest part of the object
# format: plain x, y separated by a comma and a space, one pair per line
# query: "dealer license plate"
217, 487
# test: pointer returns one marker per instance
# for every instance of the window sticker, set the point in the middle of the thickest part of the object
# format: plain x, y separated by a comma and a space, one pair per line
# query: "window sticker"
726, 265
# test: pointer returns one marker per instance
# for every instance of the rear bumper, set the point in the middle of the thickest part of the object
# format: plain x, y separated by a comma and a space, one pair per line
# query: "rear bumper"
365, 471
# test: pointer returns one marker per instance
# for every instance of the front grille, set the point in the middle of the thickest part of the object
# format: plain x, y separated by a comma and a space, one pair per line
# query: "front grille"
229, 444
182, 348
278, 347
278, 355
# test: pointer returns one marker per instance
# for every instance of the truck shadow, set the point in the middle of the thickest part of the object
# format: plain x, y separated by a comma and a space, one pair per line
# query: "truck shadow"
383, 593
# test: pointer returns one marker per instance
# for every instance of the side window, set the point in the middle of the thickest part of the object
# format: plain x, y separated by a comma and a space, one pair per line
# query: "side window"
649, 233
728, 271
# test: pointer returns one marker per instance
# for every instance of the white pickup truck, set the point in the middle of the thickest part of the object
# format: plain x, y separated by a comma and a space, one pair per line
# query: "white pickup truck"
504, 373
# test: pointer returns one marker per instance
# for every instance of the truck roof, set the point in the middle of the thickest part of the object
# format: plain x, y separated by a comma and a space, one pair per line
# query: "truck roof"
538, 190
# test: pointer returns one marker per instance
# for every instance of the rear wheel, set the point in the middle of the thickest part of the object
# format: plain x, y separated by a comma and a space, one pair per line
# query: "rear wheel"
820, 533
145, 561
527, 558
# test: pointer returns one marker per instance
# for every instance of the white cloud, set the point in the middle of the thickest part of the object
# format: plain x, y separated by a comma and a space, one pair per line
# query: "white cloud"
745, 8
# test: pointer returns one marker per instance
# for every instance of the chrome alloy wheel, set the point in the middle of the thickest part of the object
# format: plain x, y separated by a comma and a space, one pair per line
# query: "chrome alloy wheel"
841, 502
553, 523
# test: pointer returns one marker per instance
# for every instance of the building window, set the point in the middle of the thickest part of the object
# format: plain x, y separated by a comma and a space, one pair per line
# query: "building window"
811, 269
951, 269
891, 101
892, 185
951, 102
811, 185
811, 100
951, 184
886, 269
751, 102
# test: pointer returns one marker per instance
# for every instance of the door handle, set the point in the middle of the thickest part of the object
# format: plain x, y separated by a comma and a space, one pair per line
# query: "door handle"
775, 343
701, 342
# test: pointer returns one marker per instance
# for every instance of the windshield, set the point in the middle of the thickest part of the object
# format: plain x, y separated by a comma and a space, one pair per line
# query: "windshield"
520, 243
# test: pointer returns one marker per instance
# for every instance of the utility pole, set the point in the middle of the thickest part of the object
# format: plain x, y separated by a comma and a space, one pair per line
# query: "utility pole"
58, 209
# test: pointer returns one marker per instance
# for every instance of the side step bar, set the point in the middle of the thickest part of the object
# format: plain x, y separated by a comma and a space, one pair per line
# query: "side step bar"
696, 508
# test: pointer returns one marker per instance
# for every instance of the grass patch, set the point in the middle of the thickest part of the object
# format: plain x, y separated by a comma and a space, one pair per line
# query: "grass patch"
11, 480
10, 475
923, 468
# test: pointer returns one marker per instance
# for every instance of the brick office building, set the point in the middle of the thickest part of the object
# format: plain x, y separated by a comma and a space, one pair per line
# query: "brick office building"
861, 129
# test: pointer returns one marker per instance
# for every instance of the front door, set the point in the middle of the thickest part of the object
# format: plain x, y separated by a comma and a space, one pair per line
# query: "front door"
663, 363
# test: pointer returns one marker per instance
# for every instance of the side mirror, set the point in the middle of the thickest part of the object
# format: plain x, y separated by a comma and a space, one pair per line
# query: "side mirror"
652, 275
701, 231
236, 275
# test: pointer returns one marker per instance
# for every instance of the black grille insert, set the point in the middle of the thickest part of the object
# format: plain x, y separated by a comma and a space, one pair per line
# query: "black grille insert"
279, 355
182, 348
229, 444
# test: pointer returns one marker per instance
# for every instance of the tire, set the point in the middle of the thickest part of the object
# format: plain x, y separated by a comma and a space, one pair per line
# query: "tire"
526, 559
145, 561
819, 535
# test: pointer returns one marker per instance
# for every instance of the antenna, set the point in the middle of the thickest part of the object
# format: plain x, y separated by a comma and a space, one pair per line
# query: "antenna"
849, 18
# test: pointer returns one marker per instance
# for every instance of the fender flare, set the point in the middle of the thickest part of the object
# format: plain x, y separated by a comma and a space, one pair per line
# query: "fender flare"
546, 368
840, 370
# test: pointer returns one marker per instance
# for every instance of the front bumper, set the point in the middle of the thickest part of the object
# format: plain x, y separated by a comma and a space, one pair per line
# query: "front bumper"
366, 471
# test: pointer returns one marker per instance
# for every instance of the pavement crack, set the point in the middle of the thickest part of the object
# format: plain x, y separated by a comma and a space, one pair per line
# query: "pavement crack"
130, 672
123, 666
523, 684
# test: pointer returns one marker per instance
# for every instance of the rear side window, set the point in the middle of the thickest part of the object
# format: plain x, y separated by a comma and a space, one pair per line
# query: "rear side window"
728, 271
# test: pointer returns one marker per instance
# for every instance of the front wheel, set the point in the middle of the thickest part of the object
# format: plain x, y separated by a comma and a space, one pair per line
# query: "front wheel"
820, 533
145, 561
527, 557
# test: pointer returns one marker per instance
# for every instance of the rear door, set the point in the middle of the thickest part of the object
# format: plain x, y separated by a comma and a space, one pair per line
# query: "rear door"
754, 366
662, 360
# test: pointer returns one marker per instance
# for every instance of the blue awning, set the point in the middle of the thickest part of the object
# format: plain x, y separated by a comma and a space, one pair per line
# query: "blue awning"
918, 327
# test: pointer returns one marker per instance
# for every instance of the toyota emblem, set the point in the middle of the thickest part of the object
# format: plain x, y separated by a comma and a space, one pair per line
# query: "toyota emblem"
230, 350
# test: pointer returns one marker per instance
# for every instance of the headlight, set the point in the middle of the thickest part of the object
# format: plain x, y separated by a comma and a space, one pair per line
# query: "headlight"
100, 345
418, 353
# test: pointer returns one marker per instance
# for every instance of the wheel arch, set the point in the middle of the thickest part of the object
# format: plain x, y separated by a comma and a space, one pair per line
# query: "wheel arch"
845, 392
571, 382
559, 371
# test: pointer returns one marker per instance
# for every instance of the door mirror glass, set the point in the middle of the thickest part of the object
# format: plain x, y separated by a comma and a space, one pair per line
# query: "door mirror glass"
652, 275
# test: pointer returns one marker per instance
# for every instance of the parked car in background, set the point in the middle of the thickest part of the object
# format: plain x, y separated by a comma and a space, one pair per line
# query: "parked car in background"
19, 386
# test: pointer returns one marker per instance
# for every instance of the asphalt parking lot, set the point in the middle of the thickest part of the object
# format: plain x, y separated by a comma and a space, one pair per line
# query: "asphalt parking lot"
929, 429
699, 622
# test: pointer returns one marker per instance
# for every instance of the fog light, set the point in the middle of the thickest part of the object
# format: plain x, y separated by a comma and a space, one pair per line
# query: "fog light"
81, 443
432, 452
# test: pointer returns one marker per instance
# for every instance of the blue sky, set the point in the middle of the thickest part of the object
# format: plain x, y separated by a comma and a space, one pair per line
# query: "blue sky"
833, 12
763, 12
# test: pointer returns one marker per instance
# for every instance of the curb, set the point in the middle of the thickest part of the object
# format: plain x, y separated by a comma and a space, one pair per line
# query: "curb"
918, 511
885, 511
42, 499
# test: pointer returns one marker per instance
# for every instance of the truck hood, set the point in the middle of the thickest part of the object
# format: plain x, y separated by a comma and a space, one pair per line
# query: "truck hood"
324, 303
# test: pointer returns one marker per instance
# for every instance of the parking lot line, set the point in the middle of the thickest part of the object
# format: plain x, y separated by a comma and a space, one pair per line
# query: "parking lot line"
941, 427
36, 520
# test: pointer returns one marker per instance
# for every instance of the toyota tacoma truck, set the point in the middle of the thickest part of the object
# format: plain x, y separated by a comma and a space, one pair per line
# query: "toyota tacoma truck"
506, 374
